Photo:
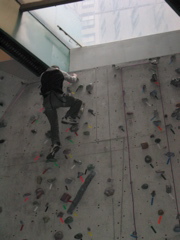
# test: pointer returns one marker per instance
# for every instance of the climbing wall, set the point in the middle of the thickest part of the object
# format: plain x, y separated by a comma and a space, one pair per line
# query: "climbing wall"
130, 142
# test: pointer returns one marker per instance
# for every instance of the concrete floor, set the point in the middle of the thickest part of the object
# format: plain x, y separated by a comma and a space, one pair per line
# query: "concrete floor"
117, 155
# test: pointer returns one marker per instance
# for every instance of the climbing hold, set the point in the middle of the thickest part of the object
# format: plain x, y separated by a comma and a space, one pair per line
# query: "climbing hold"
65, 197
122, 128
129, 113
109, 191
90, 167
51, 180
86, 133
160, 212
39, 192
168, 189
145, 100
144, 145
46, 219
68, 180
67, 151
60, 214
175, 82
157, 141
91, 111
78, 236
177, 70
154, 77
148, 159
154, 94
39, 180
80, 87
27, 194
176, 228
58, 235
2, 141
3, 124
89, 88
154, 61
156, 114
77, 162
145, 186
74, 128
144, 88
80, 174
176, 113
33, 131
68, 220
36, 204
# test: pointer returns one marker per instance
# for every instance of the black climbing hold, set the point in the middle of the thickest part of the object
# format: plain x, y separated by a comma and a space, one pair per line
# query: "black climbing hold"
144, 186
80, 174
58, 235
176, 228
89, 88
91, 111
74, 128
168, 189
78, 236
60, 214
68, 180
109, 191
86, 133
33, 131
153, 194
157, 140
148, 159
160, 212
3, 124
68, 220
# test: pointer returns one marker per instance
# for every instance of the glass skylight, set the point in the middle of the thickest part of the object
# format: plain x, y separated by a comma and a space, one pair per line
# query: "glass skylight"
92, 22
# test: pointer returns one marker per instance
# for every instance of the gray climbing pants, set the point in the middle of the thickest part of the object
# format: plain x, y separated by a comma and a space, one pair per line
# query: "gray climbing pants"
54, 100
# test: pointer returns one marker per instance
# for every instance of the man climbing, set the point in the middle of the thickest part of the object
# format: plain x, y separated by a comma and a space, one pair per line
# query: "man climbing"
54, 97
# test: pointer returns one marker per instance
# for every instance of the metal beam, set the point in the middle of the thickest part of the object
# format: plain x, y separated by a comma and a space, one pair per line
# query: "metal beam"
43, 4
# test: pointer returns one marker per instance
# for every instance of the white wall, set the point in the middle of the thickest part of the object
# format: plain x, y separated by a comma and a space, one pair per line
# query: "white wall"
125, 51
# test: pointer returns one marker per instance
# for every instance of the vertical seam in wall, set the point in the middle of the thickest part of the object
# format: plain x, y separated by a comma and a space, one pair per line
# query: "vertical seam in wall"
167, 138
129, 155
122, 189
107, 79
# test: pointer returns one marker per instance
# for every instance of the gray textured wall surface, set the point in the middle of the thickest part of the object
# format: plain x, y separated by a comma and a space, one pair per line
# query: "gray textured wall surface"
117, 155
